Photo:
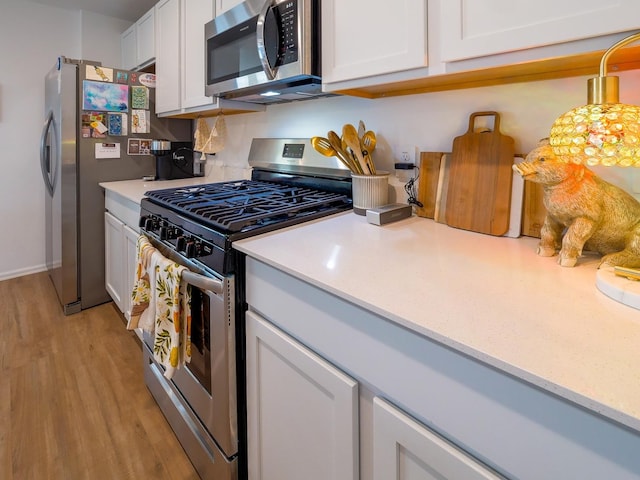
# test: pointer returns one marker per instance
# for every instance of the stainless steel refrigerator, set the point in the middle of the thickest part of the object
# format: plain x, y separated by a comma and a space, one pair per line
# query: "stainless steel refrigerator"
97, 128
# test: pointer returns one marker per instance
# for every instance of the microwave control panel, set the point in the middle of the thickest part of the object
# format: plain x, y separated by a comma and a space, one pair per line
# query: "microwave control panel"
287, 23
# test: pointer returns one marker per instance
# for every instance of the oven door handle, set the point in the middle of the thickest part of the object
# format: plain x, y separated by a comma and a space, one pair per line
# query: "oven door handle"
207, 284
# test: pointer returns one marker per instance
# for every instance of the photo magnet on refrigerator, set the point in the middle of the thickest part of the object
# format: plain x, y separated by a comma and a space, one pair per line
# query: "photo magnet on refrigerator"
114, 122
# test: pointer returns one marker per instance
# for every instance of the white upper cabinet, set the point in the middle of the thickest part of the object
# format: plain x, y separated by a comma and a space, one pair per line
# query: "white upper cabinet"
195, 13
180, 60
168, 82
224, 5
146, 40
138, 42
129, 48
361, 39
474, 29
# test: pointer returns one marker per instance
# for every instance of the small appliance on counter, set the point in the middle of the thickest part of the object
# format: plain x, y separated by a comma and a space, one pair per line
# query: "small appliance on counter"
174, 160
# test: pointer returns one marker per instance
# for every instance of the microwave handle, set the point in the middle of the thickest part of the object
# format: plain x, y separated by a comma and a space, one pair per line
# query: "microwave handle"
262, 50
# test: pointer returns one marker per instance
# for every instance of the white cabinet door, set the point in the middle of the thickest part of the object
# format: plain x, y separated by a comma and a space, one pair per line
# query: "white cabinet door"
130, 239
475, 29
195, 13
302, 412
404, 449
128, 45
146, 38
114, 247
360, 39
168, 55
224, 5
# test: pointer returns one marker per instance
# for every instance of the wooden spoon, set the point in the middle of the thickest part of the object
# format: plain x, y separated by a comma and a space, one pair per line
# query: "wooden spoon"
350, 136
323, 146
361, 128
369, 141
368, 144
336, 143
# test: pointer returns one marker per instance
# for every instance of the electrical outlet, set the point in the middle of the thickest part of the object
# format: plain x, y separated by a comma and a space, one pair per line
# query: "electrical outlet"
407, 154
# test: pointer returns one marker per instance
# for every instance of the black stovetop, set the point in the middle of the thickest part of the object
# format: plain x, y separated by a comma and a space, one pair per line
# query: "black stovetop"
201, 222
246, 205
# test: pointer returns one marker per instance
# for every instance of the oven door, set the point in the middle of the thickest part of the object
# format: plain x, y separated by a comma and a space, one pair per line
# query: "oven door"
259, 42
206, 386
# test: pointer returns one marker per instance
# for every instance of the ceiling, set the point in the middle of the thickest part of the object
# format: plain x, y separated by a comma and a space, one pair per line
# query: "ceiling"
129, 10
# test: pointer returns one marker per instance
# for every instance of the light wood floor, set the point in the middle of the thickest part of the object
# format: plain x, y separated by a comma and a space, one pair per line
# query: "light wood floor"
73, 404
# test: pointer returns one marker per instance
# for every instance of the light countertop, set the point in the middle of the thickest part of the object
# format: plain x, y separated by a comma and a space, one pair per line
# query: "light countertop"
134, 190
489, 297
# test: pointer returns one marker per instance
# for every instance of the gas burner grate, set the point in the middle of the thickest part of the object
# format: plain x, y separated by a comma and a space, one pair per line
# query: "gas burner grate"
249, 204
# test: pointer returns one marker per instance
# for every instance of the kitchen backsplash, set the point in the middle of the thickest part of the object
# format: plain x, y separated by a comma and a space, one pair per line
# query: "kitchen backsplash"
425, 122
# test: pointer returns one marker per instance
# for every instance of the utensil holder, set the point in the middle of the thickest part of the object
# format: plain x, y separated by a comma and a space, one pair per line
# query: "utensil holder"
369, 191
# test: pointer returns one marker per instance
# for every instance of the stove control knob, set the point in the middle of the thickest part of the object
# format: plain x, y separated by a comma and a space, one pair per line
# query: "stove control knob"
142, 222
192, 249
171, 233
164, 233
149, 224
181, 243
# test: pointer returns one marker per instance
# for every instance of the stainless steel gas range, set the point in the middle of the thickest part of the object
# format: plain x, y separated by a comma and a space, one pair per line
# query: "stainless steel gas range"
205, 401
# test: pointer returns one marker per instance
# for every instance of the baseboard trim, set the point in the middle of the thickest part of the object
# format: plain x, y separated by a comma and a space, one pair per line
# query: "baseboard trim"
22, 272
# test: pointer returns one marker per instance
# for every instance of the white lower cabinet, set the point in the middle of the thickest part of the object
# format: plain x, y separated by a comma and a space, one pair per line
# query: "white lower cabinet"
114, 246
130, 247
120, 261
302, 412
404, 449
121, 236
459, 419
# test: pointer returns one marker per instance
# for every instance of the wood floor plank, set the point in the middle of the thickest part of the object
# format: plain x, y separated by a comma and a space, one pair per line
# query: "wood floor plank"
73, 403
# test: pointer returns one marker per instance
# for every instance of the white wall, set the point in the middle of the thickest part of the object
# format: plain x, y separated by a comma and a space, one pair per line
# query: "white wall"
101, 38
32, 36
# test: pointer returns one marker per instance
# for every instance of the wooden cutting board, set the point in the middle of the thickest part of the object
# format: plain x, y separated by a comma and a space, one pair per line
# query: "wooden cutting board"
533, 209
441, 194
428, 183
480, 178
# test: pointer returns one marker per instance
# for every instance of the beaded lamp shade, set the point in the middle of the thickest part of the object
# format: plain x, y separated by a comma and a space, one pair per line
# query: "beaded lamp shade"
603, 132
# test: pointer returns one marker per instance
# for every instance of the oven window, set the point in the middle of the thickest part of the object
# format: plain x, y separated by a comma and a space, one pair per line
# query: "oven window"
233, 53
200, 365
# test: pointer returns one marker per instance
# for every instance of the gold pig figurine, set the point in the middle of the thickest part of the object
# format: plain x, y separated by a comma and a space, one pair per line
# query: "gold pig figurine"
593, 214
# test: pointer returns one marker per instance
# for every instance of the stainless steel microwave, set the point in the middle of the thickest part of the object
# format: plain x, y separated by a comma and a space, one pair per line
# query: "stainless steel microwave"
265, 51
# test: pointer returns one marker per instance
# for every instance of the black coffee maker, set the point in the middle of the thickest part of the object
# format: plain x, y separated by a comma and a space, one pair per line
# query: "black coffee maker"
173, 159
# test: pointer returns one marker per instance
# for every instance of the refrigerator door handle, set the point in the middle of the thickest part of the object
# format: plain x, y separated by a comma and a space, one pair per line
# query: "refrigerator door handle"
48, 170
